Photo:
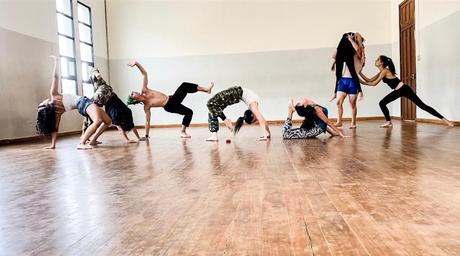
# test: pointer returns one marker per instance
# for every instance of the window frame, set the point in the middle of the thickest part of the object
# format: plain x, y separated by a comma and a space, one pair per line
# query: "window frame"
73, 38
90, 26
76, 38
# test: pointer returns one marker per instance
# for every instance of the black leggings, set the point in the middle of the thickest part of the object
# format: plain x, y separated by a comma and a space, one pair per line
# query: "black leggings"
174, 104
407, 92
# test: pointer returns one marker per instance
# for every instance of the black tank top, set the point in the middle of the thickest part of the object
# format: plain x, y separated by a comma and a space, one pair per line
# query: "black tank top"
393, 82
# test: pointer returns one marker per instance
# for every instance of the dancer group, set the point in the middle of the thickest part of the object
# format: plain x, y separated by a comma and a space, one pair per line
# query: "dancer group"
105, 108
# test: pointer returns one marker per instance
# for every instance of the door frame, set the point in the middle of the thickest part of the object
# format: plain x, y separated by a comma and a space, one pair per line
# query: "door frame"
407, 53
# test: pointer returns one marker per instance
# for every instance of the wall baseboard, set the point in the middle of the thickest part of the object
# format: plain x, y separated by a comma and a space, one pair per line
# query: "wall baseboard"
35, 138
271, 122
427, 120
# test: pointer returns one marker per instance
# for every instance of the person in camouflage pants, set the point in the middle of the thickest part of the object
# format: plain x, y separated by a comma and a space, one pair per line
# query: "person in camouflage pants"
230, 96
218, 103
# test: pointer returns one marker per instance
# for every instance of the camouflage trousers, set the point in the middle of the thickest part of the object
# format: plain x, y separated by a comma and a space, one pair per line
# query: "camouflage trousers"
219, 102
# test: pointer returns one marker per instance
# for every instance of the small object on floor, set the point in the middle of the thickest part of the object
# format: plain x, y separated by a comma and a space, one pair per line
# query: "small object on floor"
228, 141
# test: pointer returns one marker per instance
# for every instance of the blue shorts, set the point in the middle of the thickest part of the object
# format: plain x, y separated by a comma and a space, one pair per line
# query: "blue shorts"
82, 104
347, 85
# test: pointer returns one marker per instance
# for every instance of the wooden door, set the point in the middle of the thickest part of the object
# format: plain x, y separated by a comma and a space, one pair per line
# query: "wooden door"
407, 54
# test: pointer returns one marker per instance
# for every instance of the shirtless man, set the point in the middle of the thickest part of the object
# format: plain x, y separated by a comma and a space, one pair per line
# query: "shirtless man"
173, 104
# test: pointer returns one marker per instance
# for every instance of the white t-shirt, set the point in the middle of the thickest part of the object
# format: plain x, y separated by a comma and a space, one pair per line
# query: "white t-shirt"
70, 101
249, 96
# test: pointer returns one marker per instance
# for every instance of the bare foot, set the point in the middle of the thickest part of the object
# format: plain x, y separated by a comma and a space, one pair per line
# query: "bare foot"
353, 126
49, 147
143, 139
209, 90
291, 106
212, 138
338, 124
95, 143
83, 147
386, 125
449, 123
184, 135
263, 138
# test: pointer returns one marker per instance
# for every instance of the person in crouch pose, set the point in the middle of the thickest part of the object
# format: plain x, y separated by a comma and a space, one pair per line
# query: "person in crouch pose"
348, 60
230, 96
387, 74
173, 104
121, 115
49, 113
315, 121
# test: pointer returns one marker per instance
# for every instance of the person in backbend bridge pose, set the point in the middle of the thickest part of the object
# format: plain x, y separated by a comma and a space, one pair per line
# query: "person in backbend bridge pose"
233, 95
173, 104
387, 74
49, 113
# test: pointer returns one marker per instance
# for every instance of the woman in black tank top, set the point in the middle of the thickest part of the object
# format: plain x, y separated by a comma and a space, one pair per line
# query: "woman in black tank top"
387, 74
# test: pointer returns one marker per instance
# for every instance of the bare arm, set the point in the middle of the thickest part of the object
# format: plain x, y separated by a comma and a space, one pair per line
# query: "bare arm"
353, 43
54, 134
323, 117
374, 82
54, 90
365, 78
145, 82
334, 56
262, 122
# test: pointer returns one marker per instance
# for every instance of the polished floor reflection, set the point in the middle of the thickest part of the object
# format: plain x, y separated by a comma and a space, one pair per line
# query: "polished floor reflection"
382, 192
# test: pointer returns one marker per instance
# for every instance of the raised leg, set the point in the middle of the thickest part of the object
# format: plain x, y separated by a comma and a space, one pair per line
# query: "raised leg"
207, 90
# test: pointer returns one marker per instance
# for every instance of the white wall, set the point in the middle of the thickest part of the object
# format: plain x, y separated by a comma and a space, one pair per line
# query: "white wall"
279, 49
146, 28
28, 35
437, 40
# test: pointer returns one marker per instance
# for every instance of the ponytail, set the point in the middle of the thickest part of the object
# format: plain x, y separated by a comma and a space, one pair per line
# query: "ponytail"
388, 63
247, 117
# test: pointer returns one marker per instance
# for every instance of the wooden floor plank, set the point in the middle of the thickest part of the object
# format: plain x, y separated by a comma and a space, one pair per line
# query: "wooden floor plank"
382, 192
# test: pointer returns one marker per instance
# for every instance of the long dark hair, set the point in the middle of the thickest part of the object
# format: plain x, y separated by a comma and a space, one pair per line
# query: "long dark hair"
345, 53
388, 63
345, 48
247, 117
308, 112
46, 120
342, 50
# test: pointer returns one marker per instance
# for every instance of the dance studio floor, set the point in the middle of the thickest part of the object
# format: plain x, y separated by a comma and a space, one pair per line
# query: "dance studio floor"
383, 192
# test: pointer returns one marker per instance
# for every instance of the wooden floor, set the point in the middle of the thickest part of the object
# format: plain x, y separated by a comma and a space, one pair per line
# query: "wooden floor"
383, 192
